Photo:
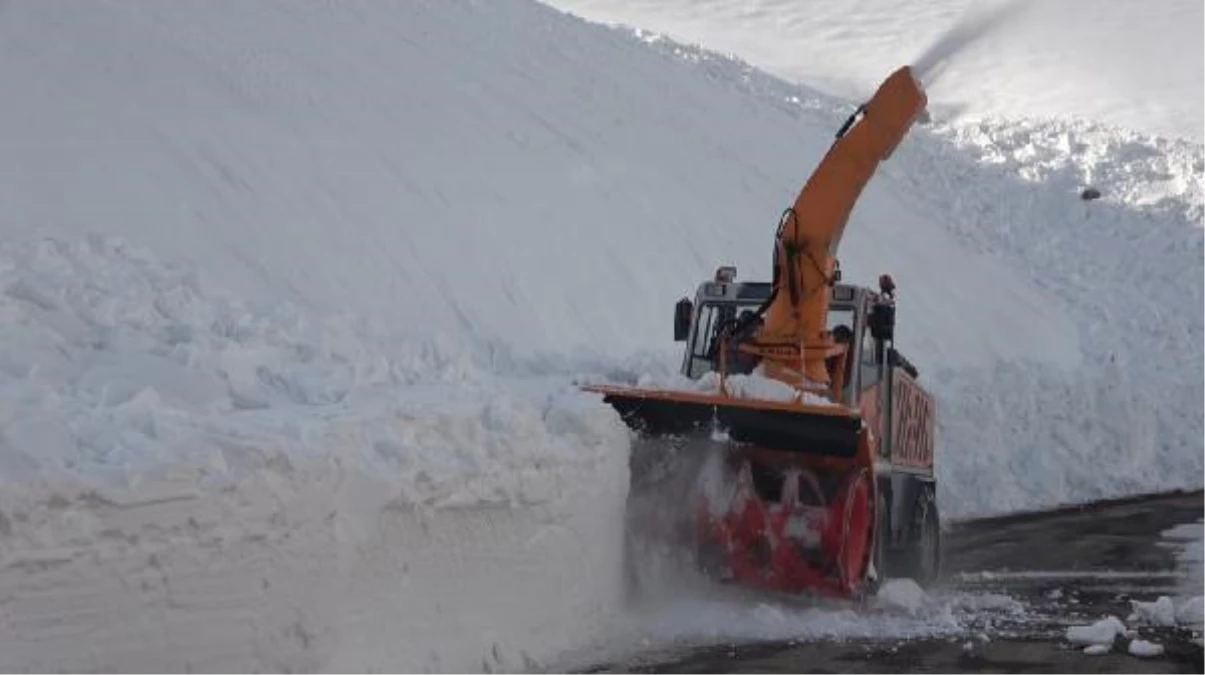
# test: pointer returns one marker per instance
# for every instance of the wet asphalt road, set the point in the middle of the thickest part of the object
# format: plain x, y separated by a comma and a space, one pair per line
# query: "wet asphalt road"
1070, 567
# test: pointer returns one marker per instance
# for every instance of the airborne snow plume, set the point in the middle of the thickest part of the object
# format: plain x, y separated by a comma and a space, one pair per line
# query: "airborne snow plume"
977, 23
1131, 64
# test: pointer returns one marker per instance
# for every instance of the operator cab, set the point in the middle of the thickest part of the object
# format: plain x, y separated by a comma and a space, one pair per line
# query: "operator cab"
721, 302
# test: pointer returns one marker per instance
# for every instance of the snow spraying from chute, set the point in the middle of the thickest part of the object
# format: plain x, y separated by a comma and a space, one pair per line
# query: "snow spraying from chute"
971, 28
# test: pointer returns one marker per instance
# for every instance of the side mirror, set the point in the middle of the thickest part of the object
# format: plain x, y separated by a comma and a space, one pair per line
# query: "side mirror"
683, 312
882, 322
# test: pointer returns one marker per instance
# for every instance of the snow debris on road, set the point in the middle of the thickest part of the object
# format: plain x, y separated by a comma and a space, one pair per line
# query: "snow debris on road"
1145, 648
1191, 611
1096, 650
1102, 632
903, 594
1161, 612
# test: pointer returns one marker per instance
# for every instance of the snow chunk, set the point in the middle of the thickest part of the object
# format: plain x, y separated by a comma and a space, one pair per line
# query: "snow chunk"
1161, 612
1102, 632
1144, 648
1191, 611
1096, 650
758, 387
904, 594
991, 602
752, 386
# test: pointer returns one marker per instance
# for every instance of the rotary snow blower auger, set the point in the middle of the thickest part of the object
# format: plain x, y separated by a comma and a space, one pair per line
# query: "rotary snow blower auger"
827, 472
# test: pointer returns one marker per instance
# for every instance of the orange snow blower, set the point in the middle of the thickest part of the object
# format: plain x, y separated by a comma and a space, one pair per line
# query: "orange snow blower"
826, 473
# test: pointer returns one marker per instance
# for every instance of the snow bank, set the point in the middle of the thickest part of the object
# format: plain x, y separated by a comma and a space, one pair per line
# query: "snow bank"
155, 372
300, 567
242, 487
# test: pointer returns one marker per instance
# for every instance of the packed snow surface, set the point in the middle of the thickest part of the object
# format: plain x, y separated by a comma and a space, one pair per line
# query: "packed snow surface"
293, 296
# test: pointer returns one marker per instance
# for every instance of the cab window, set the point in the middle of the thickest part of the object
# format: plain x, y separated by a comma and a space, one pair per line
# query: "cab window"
868, 362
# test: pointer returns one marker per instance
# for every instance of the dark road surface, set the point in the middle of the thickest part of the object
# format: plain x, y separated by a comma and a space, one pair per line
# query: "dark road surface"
1072, 566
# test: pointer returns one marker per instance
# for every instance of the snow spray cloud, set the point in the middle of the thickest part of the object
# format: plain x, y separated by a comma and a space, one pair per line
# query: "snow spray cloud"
971, 27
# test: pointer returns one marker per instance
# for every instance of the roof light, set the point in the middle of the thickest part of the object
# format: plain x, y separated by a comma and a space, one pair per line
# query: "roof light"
843, 293
725, 274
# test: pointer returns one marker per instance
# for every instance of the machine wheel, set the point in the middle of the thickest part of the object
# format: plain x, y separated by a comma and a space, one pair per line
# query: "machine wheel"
854, 545
882, 563
921, 559
631, 566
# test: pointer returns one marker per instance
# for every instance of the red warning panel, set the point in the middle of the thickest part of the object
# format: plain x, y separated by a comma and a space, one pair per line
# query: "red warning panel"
912, 423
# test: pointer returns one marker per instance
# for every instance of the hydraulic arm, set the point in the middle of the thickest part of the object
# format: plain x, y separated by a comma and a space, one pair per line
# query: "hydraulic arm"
794, 341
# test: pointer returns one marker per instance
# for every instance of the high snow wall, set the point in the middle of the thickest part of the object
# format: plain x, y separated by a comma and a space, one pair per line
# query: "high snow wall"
291, 296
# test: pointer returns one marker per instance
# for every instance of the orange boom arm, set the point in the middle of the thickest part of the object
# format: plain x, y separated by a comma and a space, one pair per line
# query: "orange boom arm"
794, 341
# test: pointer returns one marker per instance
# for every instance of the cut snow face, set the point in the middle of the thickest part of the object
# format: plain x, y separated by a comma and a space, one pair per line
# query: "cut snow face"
276, 489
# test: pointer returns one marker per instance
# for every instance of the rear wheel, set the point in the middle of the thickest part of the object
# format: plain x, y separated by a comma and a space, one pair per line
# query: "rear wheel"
921, 559
882, 568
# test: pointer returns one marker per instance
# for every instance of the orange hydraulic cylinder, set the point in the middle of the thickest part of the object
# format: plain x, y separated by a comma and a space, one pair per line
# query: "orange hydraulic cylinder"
807, 244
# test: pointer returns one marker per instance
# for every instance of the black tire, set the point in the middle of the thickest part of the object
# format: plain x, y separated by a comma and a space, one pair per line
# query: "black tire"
631, 565
882, 558
921, 557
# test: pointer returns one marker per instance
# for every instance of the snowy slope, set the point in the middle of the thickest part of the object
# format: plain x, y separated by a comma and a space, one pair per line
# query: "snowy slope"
1127, 63
297, 176
292, 294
